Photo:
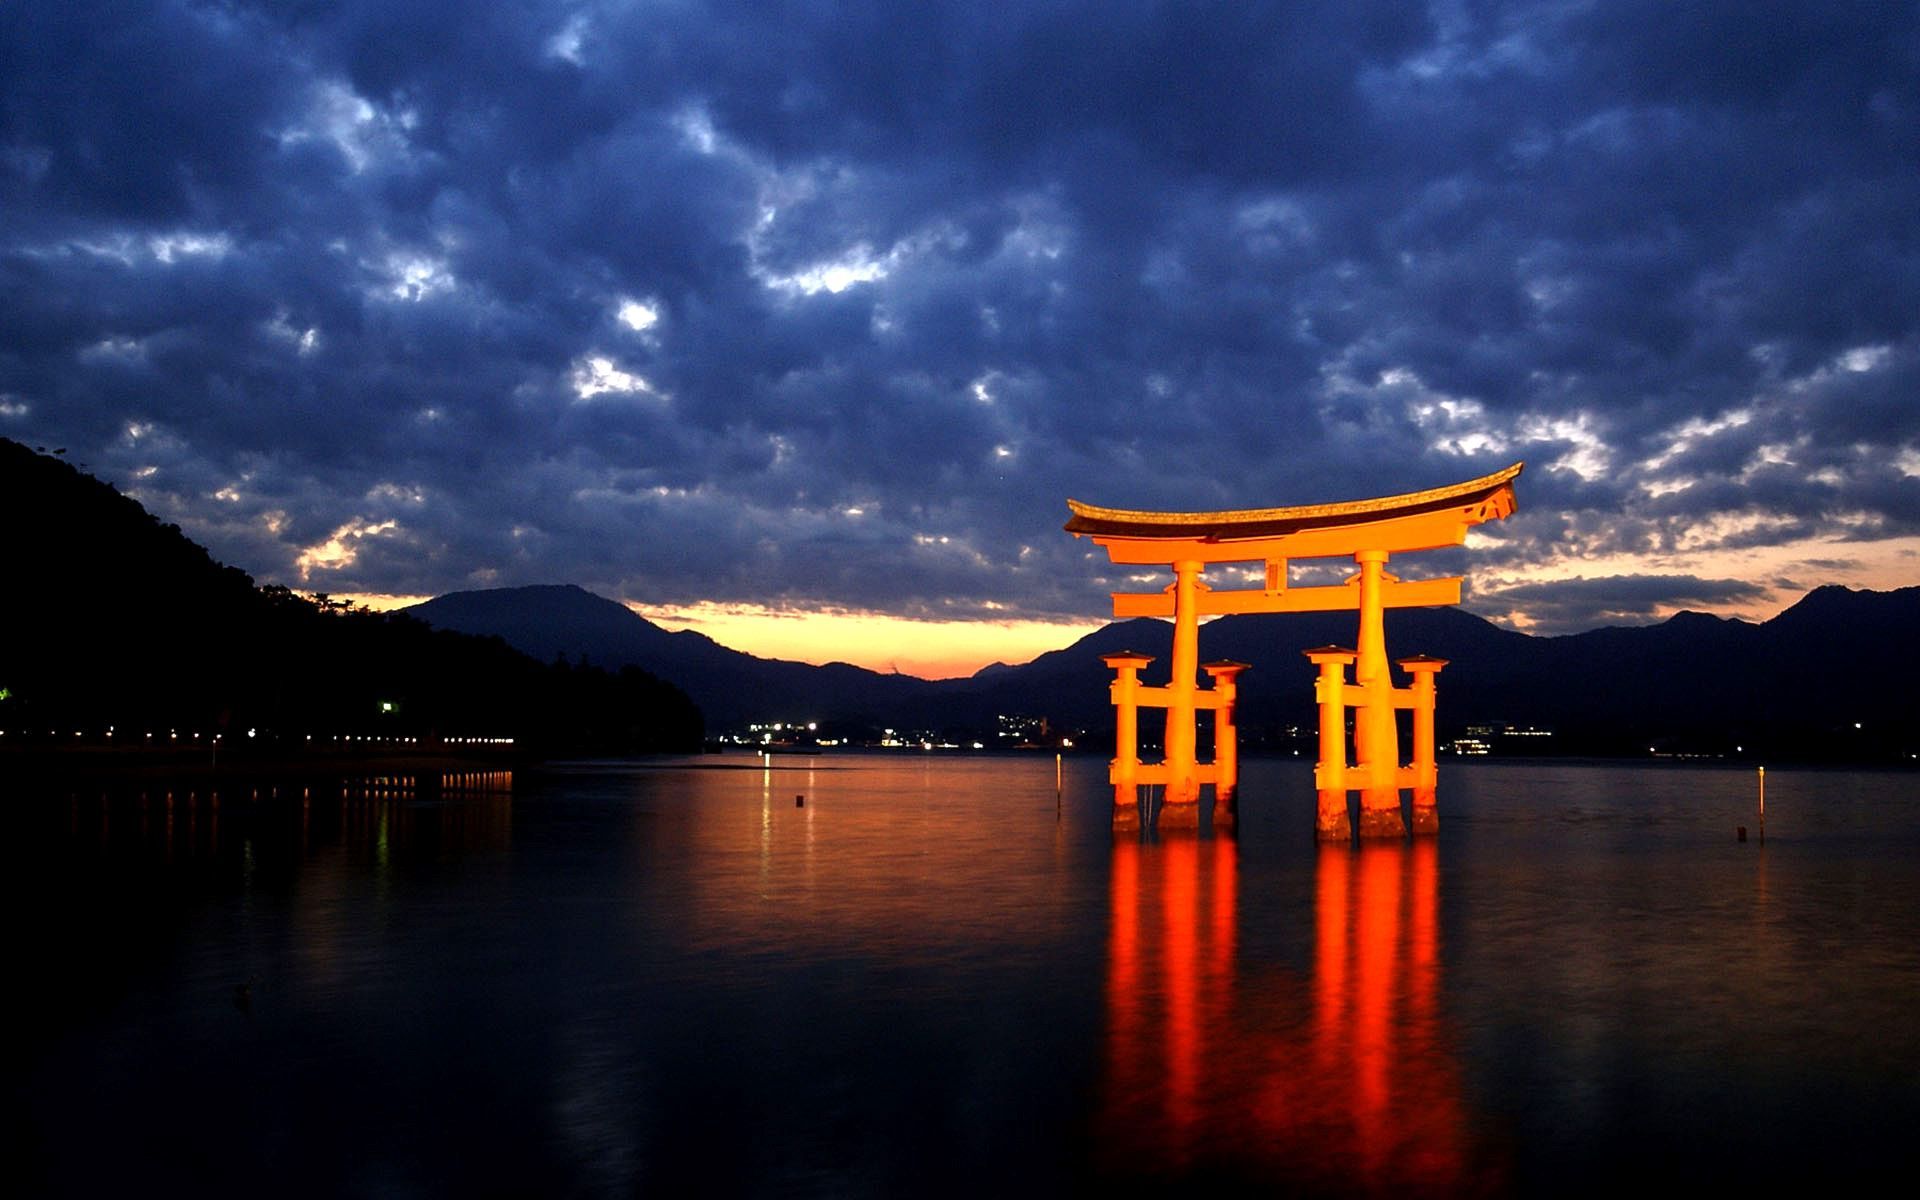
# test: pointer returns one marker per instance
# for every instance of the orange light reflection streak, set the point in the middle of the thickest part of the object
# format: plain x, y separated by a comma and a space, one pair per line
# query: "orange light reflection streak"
1340, 1081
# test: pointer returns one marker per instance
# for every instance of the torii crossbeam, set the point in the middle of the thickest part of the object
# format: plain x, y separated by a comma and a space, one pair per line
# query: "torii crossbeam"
1370, 531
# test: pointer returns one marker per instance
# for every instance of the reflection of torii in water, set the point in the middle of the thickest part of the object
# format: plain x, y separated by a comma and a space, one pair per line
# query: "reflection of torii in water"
1335, 1074
1367, 530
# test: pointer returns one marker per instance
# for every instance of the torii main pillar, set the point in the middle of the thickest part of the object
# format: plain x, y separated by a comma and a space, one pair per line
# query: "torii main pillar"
1369, 532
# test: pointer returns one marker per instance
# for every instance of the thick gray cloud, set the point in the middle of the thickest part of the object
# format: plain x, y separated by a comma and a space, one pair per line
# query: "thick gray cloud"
824, 304
1575, 605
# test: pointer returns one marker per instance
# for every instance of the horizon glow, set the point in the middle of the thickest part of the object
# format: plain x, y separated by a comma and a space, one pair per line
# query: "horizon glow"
955, 649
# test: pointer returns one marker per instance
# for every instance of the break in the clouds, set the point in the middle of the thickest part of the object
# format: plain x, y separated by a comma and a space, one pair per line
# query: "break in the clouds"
811, 304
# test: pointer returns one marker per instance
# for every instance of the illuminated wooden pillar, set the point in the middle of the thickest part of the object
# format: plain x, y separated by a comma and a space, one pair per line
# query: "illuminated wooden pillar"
1183, 779
1424, 768
1124, 771
1330, 773
1376, 739
1226, 741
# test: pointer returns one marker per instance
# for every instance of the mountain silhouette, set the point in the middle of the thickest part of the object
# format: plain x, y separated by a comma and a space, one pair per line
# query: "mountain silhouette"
111, 616
1793, 685
730, 687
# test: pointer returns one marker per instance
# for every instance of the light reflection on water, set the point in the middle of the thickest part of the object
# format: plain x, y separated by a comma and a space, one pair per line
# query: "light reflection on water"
1341, 1077
935, 975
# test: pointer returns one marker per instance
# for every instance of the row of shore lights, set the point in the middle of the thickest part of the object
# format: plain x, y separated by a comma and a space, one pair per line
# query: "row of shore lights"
173, 735
888, 739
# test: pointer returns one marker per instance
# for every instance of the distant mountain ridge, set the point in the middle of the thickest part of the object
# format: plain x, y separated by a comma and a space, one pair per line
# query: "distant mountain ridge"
730, 686
112, 615
1802, 679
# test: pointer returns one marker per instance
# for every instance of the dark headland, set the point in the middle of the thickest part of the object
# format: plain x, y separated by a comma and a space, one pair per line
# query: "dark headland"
126, 647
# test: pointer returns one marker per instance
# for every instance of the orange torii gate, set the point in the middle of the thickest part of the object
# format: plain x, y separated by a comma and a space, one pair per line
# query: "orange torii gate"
1370, 531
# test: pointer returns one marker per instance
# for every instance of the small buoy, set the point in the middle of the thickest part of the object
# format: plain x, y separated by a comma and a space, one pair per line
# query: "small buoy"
1741, 832
800, 801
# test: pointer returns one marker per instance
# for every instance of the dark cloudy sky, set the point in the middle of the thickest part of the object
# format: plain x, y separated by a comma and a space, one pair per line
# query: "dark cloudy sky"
811, 305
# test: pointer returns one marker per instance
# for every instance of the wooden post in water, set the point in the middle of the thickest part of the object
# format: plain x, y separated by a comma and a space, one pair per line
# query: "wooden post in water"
1332, 824
1124, 771
1763, 806
1376, 736
1226, 741
1182, 790
1424, 768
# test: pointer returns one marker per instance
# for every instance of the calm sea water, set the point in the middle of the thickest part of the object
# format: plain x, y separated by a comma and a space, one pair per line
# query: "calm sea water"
937, 977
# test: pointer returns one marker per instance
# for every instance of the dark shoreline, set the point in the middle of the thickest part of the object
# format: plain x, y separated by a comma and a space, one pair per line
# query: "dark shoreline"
45, 764
48, 763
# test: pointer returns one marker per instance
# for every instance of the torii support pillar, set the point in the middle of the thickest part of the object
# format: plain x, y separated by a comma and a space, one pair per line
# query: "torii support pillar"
1226, 742
1332, 823
1424, 769
1376, 734
1124, 771
1183, 775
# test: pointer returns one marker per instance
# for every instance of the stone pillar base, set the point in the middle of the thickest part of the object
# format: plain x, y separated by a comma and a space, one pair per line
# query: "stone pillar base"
1380, 814
1178, 815
1333, 824
1426, 818
1126, 818
1226, 809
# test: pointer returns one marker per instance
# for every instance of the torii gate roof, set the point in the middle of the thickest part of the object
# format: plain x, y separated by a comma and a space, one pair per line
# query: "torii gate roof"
1092, 520
1413, 520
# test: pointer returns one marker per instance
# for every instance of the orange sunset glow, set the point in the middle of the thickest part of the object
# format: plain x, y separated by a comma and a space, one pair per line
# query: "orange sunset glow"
874, 640
934, 649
